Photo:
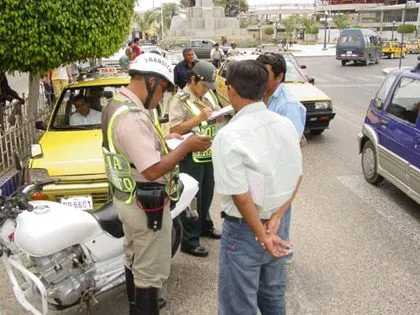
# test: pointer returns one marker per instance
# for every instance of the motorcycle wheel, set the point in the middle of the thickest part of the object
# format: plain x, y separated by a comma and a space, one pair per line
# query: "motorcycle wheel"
176, 234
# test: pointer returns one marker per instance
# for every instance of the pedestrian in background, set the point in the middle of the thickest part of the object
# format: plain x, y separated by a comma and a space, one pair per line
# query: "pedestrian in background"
279, 100
189, 110
126, 58
184, 66
233, 51
265, 145
217, 55
136, 48
60, 77
6, 94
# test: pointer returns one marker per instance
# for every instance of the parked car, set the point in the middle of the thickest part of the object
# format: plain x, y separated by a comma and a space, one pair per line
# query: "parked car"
390, 139
413, 46
319, 108
203, 47
72, 153
358, 45
393, 49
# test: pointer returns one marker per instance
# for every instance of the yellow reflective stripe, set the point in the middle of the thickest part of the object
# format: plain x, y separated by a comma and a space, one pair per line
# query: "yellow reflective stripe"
110, 125
214, 101
193, 110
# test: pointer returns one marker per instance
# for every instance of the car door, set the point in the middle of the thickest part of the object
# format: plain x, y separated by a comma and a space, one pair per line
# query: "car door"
397, 132
414, 168
221, 87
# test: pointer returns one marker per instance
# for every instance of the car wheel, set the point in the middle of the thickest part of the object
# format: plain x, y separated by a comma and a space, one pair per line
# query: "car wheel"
317, 132
176, 234
377, 60
369, 164
343, 62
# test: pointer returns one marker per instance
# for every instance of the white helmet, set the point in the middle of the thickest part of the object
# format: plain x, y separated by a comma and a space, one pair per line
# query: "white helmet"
149, 63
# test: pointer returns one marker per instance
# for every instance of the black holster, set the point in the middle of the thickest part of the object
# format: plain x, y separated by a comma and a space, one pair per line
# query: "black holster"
152, 197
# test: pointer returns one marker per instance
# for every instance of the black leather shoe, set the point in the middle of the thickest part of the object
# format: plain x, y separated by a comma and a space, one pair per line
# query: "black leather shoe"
198, 251
213, 233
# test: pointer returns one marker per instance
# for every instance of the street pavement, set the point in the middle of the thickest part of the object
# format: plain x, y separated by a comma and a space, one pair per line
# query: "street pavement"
357, 246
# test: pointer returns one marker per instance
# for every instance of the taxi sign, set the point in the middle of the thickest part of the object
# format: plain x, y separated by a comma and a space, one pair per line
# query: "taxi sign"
108, 70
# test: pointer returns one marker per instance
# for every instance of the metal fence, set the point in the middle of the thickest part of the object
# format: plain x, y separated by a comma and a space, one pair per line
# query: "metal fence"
18, 132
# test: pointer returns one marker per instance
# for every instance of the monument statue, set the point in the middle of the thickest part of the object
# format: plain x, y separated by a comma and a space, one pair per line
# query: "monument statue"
207, 21
232, 8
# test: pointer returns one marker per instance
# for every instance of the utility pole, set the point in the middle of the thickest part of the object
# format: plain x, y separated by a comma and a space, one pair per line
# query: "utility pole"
403, 23
325, 31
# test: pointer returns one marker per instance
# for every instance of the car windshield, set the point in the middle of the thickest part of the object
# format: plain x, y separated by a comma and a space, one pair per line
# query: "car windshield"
293, 74
81, 108
350, 39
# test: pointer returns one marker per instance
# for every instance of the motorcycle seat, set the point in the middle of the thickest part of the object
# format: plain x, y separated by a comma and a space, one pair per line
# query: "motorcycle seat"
108, 219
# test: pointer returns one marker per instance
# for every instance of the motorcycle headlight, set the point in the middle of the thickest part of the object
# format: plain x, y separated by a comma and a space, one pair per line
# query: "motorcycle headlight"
36, 151
38, 174
323, 105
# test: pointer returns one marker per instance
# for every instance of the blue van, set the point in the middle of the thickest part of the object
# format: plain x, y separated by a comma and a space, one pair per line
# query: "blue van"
390, 138
358, 45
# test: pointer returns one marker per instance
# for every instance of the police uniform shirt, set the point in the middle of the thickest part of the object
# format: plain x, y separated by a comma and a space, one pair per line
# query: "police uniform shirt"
136, 137
178, 113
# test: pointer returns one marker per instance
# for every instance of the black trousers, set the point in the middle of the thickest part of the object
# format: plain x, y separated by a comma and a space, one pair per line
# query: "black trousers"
203, 173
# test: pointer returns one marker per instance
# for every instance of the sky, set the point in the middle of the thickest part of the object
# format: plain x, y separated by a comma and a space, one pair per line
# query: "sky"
148, 4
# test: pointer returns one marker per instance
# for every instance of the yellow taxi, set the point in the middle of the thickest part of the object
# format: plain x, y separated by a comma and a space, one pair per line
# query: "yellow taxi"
413, 46
392, 50
70, 147
319, 108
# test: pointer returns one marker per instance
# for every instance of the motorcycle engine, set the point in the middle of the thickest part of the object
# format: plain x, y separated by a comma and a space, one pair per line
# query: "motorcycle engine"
64, 275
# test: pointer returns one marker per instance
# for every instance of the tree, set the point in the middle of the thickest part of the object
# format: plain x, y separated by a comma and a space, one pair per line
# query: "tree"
290, 25
227, 4
169, 10
311, 26
269, 31
185, 3
406, 29
145, 21
244, 23
36, 36
342, 21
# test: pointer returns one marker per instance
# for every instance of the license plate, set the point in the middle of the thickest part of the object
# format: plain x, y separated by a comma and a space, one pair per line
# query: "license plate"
78, 202
349, 53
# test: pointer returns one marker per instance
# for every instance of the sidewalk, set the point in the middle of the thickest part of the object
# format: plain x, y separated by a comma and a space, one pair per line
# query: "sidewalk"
312, 50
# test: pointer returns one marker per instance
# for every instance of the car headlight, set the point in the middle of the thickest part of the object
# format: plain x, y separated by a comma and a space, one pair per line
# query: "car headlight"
323, 105
36, 151
38, 174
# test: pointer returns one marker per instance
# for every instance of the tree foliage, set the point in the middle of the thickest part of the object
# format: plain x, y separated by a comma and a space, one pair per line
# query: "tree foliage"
243, 4
269, 31
169, 10
36, 35
406, 29
145, 21
311, 26
342, 21
290, 23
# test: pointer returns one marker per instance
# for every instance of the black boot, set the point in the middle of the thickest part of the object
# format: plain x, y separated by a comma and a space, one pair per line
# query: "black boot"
129, 282
147, 301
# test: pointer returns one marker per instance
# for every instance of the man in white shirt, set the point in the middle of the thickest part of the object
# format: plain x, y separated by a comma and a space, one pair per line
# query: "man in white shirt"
84, 115
265, 145
217, 55
233, 51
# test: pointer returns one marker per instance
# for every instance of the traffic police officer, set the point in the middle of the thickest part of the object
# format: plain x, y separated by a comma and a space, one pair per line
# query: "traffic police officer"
139, 169
189, 110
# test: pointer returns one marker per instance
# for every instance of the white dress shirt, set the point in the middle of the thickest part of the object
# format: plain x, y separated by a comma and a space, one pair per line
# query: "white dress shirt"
264, 142
93, 118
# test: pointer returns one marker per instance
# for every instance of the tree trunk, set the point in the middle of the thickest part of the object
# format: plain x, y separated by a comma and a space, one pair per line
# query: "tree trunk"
33, 96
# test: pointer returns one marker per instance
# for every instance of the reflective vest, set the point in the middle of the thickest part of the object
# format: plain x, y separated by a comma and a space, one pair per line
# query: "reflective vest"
205, 128
118, 167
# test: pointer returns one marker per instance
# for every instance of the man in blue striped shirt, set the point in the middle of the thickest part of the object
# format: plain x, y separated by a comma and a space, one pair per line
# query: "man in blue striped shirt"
279, 100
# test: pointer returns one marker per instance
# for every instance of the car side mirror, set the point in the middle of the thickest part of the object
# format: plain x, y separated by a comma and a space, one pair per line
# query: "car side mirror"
377, 102
40, 125
303, 66
311, 80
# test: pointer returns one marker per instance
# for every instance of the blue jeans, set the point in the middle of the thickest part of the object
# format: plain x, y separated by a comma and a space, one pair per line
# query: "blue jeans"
249, 276
285, 229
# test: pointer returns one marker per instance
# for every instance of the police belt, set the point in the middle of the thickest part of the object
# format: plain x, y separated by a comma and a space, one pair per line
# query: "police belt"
121, 195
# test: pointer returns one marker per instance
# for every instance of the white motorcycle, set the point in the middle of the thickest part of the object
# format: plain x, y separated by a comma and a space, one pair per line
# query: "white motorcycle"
66, 256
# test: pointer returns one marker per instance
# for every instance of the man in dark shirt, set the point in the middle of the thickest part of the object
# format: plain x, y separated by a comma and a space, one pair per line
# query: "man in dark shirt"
182, 68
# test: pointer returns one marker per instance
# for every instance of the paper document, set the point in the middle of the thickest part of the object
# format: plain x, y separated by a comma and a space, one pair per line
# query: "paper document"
174, 143
224, 111
256, 186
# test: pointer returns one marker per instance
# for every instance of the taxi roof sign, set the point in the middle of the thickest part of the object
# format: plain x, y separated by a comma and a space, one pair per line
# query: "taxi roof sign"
107, 70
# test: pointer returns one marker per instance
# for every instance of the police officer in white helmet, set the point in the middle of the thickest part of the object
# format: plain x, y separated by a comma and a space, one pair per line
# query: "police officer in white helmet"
139, 168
